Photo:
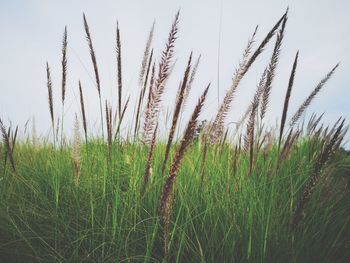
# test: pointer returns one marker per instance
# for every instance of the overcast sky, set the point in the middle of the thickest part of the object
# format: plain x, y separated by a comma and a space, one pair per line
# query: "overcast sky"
31, 34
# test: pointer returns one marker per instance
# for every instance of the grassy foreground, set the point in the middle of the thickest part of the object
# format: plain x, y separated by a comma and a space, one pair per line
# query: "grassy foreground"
222, 215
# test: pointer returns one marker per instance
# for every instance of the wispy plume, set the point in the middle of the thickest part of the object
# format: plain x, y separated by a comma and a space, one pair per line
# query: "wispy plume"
119, 69
76, 149
50, 98
166, 200
178, 104
64, 64
148, 169
309, 99
272, 69
9, 142
286, 99
146, 55
142, 94
82, 107
164, 70
94, 63
245, 64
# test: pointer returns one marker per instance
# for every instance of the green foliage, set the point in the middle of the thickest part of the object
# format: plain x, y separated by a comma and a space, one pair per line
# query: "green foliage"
45, 216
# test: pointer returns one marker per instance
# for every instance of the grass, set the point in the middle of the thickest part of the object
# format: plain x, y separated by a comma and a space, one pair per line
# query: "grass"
207, 197
45, 216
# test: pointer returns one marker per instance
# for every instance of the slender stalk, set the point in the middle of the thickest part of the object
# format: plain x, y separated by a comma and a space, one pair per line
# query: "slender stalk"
166, 200
164, 70
119, 70
142, 95
9, 145
148, 169
178, 104
82, 106
50, 98
313, 94
64, 76
271, 70
94, 63
286, 99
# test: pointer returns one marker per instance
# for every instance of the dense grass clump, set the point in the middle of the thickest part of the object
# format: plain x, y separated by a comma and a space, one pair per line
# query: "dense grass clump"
221, 215
251, 194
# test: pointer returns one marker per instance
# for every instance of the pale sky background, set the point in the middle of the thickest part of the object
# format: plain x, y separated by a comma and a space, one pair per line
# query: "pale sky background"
31, 34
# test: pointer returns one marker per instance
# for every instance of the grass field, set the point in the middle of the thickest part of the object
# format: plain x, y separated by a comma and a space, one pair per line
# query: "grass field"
251, 194
222, 215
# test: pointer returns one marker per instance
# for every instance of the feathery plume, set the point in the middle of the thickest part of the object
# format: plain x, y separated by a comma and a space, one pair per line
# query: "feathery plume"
119, 69
142, 95
309, 99
34, 133
76, 149
151, 94
108, 110
178, 104
64, 76
166, 200
148, 169
313, 122
328, 149
146, 55
241, 121
163, 73
122, 117
271, 69
9, 146
291, 139
93, 56
13, 138
190, 82
287, 97
64, 64
82, 107
94, 63
217, 125
49, 89
244, 65
249, 137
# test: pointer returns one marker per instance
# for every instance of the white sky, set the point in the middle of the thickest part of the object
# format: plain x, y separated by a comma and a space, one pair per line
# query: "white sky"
31, 33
